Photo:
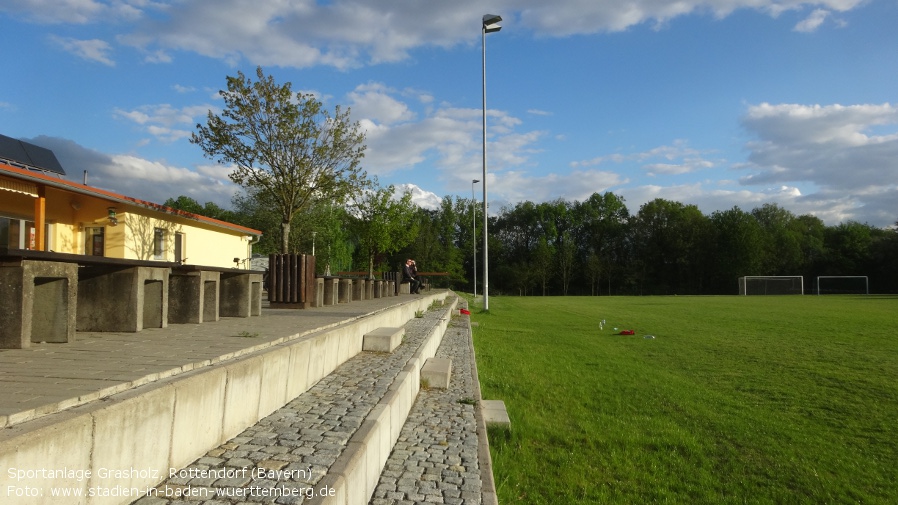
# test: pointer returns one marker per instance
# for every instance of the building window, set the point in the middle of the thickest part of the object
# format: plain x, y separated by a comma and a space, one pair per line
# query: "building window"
95, 241
21, 234
159, 244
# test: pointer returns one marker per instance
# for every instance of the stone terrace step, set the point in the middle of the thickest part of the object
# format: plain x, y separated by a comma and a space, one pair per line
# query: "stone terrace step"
438, 457
333, 439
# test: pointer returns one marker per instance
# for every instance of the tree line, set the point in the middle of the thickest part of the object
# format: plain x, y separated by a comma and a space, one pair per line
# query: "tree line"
593, 247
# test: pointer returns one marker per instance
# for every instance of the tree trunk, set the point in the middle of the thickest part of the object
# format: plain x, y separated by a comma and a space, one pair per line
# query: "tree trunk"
285, 236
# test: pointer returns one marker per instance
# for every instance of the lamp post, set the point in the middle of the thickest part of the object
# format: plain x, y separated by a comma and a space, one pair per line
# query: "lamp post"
474, 232
490, 25
313, 242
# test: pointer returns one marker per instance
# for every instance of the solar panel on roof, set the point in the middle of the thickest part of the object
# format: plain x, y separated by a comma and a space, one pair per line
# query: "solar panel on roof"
29, 155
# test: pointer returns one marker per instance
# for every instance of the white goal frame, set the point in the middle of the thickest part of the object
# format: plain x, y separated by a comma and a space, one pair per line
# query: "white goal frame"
744, 280
866, 281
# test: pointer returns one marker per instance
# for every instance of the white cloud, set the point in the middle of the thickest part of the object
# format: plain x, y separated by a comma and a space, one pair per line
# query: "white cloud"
849, 153
160, 120
129, 175
349, 33
675, 159
59, 11
515, 186
420, 197
373, 102
91, 50
812, 22
157, 181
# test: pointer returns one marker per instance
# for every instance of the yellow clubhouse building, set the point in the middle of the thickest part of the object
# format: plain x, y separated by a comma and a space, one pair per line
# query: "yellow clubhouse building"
42, 211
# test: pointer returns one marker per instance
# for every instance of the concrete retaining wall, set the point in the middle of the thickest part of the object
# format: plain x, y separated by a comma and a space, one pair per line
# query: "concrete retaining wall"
128, 442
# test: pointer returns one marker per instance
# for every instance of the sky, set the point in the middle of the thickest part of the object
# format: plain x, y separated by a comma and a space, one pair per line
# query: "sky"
713, 103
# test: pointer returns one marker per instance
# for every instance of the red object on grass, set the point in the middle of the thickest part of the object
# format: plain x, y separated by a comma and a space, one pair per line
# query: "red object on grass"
464, 311
628, 332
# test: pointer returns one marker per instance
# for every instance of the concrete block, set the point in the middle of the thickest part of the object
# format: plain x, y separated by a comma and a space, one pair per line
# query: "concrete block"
122, 299
298, 373
351, 466
383, 339
495, 414
240, 294
436, 372
59, 441
317, 353
193, 296
350, 343
404, 288
132, 439
39, 302
244, 388
378, 288
199, 410
319, 293
275, 367
358, 289
369, 289
331, 291
346, 289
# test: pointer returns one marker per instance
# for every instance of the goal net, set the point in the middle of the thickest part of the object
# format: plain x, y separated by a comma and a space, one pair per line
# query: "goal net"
843, 285
771, 285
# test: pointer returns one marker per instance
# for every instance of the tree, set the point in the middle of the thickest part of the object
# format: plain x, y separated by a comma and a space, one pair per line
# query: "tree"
285, 146
383, 224
210, 209
738, 247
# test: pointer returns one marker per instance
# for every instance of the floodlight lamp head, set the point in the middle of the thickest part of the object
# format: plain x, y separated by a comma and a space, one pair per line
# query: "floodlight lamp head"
491, 23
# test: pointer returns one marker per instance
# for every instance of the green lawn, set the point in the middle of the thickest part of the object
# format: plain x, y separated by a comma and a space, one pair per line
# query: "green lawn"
789, 399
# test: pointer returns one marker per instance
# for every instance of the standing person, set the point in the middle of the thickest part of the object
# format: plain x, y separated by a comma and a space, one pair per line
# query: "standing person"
409, 274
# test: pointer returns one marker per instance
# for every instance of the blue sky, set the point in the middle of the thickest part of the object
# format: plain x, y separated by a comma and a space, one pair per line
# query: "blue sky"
717, 103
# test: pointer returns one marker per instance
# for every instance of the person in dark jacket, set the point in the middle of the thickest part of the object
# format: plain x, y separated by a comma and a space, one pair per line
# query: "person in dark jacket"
410, 274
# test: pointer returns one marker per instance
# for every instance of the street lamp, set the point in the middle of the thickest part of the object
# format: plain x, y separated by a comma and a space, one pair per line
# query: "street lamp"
313, 242
474, 232
490, 25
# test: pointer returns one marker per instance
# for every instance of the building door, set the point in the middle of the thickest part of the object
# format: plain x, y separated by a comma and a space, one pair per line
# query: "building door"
95, 242
179, 247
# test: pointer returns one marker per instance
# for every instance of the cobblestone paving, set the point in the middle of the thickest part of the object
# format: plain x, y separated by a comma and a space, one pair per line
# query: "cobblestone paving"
281, 457
435, 459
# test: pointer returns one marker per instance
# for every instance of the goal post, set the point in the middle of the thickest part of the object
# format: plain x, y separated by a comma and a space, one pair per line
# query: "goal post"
771, 285
843, 285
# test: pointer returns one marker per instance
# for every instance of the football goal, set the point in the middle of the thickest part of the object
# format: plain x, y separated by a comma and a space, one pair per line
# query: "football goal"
771, 285
843, 285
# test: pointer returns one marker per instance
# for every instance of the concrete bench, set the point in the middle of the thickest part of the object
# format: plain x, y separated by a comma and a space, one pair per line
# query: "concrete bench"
495, 414
38, 300
436, 373
384, 339
345, 291
240, 293
193, 296
122, 298
331, 290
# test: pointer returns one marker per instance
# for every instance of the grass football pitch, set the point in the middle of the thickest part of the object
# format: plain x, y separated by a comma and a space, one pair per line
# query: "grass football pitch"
778, 399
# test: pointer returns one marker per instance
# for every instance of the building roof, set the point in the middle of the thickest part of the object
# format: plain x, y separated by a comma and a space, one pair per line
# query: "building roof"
39, 178
17, 152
